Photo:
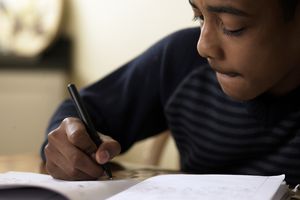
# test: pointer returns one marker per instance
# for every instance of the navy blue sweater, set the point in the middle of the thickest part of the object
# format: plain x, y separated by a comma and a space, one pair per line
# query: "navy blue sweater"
170, 86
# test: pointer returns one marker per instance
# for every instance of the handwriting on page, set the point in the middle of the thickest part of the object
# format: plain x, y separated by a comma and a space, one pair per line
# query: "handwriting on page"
207, 187
44, 181
75, 190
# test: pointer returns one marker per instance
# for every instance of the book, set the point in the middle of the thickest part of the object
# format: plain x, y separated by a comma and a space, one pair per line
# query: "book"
208, 187
23, 185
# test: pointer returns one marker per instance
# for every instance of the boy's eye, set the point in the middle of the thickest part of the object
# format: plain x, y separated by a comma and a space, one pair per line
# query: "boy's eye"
236, 32
226, 31
229, 32
199, 18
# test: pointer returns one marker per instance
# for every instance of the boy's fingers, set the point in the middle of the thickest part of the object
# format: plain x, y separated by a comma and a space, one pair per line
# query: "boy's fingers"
60, 168
80, 165
108, 150
56, 172
78, 136
72, 162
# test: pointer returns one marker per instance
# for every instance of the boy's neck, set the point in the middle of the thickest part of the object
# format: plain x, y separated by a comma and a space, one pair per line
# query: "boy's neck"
287, 84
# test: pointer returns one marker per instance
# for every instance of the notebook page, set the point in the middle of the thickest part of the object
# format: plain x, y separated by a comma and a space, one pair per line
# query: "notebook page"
204, 187
73, 190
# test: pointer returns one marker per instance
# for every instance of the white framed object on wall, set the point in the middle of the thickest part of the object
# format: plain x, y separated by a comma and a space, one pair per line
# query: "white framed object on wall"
28, 27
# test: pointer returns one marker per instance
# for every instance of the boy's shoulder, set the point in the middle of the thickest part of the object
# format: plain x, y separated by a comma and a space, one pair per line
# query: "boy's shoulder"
186, 33
180, 58
187, 37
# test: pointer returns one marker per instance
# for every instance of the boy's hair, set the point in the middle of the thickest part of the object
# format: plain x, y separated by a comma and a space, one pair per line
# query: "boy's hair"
289, 8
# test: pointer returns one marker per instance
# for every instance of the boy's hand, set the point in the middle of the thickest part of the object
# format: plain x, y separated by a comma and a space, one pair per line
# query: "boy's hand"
72, 155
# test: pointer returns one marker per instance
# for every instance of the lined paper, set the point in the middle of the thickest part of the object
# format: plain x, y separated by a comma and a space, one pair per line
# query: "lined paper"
73, 190
204, 187
166, 187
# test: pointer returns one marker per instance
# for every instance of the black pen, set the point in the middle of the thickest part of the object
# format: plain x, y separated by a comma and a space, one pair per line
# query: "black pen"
83, 114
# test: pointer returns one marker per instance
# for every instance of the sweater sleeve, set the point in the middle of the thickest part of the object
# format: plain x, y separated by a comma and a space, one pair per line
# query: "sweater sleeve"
128, 103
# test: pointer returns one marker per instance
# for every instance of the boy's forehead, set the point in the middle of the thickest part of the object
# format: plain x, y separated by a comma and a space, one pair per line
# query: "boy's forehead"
244, 3
251, 6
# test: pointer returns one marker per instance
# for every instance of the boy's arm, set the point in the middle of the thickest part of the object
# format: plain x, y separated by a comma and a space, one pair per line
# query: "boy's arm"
127, 105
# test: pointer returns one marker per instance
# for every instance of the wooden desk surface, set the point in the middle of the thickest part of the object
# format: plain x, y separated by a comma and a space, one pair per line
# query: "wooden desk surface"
20, 162
33, 163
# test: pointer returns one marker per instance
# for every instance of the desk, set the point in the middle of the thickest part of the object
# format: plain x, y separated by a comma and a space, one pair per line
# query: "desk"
21, 162
33, 163
125, 175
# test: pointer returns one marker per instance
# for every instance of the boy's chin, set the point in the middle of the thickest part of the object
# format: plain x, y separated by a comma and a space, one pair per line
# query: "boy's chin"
240, 95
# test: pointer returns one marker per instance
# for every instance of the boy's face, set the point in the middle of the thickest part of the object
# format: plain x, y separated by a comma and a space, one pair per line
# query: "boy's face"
250, 46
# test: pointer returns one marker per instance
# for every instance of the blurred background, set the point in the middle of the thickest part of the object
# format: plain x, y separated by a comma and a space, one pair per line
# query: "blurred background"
45, 44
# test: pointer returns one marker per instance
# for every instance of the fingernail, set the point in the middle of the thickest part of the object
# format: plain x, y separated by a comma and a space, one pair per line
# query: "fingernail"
103, 157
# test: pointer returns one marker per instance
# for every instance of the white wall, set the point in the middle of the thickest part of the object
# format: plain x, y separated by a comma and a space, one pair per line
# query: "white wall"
27, 100
108, 33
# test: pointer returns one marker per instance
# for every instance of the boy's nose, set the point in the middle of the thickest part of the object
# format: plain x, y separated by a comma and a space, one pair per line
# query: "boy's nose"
208, 44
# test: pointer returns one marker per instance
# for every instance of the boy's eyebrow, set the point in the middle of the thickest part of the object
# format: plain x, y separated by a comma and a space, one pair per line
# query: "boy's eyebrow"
227, 9
192, 4
222, 9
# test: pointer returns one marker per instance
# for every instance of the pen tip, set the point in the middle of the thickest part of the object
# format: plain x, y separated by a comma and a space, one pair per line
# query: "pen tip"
107, 171
109, 174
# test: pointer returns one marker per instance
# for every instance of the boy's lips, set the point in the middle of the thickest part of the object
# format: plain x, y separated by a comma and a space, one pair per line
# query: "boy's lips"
225, 72
230, 74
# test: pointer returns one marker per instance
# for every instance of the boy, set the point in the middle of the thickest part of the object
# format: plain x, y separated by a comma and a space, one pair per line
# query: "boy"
239, 113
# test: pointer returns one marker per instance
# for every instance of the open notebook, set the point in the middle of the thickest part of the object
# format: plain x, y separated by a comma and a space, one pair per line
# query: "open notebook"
22, 185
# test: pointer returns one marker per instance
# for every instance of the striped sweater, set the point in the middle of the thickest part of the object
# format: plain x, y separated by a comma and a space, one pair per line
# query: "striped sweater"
170, 86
